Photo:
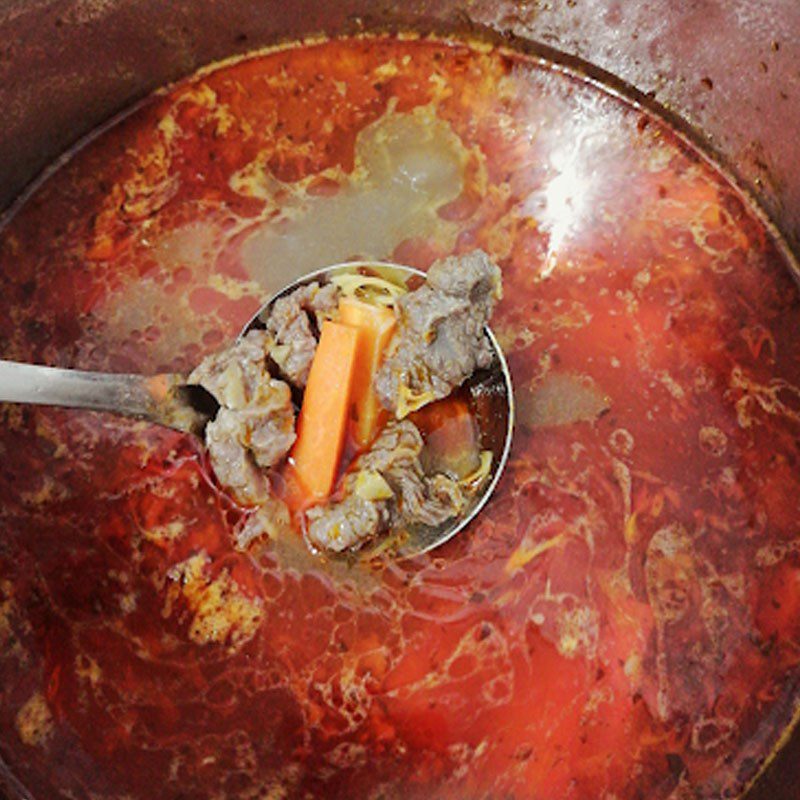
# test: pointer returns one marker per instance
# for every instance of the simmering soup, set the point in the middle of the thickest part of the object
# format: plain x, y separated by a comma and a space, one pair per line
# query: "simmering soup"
623, 618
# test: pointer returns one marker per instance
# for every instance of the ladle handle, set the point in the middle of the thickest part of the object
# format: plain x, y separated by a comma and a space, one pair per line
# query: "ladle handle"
157, 398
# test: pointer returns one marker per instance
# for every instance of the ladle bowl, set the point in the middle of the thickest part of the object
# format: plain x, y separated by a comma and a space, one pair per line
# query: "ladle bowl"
169, 399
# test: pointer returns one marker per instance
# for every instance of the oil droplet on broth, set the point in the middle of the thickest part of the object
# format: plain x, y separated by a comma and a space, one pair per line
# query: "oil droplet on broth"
406, 167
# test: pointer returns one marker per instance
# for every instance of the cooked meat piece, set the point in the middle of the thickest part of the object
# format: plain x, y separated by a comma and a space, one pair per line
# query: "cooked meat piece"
266, 428
395, 453
386, 487
434, 501
269, 422
419, 498
290, 325
254, 427
440, 341
361, 515
234, 374
232, 462
342, 525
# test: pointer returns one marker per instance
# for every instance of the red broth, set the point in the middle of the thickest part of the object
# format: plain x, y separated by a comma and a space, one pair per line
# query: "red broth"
622, 621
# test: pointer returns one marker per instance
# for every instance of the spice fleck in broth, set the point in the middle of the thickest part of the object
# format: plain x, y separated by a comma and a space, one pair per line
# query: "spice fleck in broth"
623, 619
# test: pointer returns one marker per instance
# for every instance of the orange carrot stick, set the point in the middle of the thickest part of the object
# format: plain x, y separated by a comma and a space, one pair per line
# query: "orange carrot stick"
322, 424
375, 325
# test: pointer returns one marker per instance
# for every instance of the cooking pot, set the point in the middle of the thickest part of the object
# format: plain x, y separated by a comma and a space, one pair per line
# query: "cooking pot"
726, 73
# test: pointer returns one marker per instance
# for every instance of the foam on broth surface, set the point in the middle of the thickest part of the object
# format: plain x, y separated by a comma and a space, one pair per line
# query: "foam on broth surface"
621, 621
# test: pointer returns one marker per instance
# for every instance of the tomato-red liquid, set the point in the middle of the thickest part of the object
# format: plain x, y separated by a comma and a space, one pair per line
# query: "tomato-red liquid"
623, 619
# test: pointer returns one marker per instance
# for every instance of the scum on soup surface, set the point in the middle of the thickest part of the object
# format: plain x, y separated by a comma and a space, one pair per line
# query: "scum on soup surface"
622, 619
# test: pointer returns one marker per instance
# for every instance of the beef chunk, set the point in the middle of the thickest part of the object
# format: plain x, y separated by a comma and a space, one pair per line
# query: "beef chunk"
254, 427
293, 323
385, 488
440, 340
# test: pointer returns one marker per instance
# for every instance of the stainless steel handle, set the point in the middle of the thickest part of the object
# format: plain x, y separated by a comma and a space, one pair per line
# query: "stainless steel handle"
158, 398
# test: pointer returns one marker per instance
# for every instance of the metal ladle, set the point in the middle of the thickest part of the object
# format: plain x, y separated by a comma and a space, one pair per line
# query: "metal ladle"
167, 399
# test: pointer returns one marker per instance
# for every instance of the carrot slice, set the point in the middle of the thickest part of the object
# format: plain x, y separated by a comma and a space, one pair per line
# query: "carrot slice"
375, 325
322, 424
